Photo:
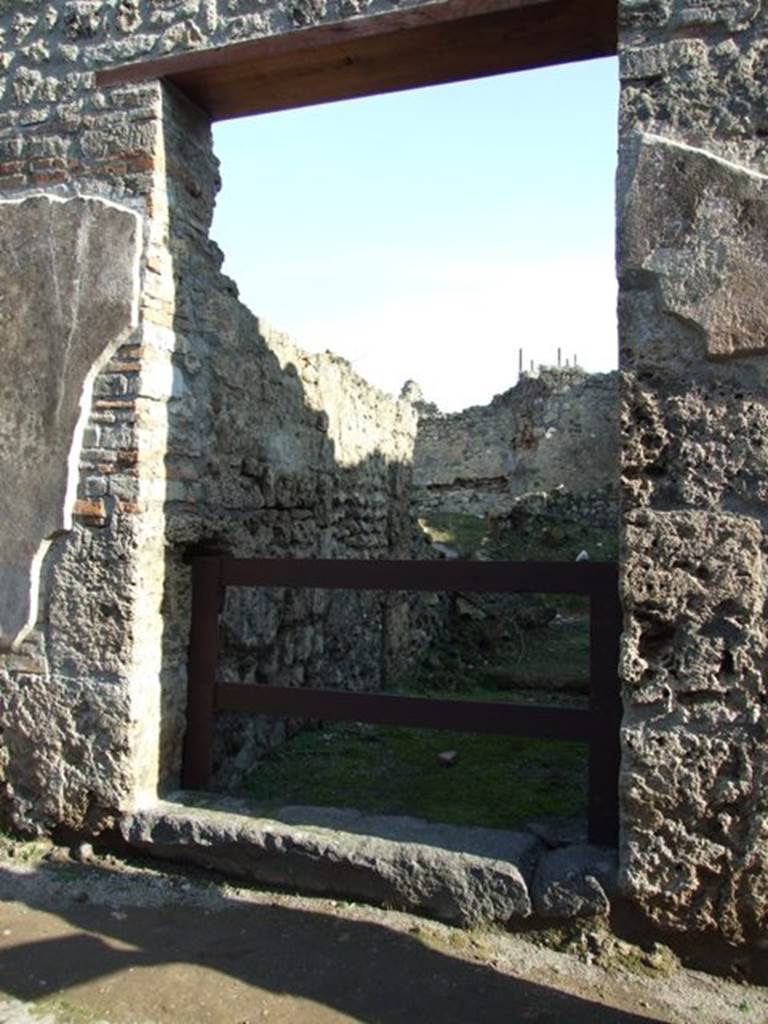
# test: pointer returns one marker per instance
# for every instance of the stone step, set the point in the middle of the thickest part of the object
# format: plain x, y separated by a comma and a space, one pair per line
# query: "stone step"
464, 876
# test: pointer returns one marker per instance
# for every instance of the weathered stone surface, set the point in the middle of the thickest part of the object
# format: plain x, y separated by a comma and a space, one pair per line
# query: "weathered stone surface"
696, 83
65, 753
695, 226
696, 445
574, 881
692, 323
462, 875
556, 428
694, 737
68, 297
693, 587
224, 415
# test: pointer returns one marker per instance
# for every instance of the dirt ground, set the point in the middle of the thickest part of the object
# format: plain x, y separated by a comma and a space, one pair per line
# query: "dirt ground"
132, 943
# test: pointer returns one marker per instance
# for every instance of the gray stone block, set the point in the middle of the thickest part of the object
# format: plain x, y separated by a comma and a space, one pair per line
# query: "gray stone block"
695, 224
574, 881
461, 875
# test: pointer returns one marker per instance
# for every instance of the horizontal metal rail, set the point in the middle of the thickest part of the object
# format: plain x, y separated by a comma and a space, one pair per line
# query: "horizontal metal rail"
392, 709
599, 726
449, 575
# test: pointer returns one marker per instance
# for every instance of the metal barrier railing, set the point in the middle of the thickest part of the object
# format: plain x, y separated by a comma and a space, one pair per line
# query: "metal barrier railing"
598, 725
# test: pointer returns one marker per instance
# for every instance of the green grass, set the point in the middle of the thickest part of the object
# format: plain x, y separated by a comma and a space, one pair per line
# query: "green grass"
555, 543
500, 782
457, 530
485, 653
531, 541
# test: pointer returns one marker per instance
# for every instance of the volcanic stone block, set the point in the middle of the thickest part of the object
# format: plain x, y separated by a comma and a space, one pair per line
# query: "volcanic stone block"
694, 735
694, 592
463, 875
695, 226
69, 286
574, 881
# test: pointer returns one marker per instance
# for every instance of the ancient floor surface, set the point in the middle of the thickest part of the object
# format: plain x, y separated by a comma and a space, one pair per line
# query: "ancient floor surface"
133, 944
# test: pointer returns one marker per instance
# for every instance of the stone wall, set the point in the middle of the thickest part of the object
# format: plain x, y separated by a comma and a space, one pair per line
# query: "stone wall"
91, 698
205, 432
555, 428
538, 511
692, 192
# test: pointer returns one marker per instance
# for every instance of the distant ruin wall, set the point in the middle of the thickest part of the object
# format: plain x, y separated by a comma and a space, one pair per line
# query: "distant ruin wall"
279, 454
557, 428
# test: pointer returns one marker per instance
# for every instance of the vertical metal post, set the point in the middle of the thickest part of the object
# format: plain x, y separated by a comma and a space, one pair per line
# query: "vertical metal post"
605, 624
201, 674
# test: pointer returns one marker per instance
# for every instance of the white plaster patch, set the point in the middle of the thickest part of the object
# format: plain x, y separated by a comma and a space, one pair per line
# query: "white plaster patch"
69, 297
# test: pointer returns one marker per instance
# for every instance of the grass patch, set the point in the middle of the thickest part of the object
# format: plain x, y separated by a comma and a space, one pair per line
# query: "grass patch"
495, 647
531, 540
464, 533
497, 781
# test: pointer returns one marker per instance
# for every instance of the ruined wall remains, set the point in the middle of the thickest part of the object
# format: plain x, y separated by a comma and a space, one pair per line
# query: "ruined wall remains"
693, 266
91, 699
205, 432
281, 454
555, 428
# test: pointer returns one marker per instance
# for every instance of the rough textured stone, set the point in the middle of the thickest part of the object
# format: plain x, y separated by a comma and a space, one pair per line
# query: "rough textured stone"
694, 739
555, 428
693, 582
574, 881
68, 297
696, 445
692, 173
697, 84
169, 465
696, 226
466, 876
209, 432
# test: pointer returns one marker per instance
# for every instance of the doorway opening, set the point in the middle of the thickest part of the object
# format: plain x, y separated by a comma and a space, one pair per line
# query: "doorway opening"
422, 236
331, 508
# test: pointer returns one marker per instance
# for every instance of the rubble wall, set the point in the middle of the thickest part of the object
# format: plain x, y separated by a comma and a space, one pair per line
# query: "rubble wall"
202, 431
91, 698
556, 428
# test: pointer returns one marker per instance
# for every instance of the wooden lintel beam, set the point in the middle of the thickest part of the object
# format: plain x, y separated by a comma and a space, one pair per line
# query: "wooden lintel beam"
425, 45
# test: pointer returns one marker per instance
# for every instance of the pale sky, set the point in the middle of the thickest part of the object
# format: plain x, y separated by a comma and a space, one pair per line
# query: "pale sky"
429, 234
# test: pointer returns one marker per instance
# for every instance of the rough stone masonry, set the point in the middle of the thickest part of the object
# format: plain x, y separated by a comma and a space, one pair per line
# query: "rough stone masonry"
195, 429
556, 428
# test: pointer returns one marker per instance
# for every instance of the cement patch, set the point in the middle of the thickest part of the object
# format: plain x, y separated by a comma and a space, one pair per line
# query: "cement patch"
69, 286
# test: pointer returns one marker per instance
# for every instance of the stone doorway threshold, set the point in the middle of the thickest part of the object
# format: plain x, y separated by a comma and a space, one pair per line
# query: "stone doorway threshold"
463, 876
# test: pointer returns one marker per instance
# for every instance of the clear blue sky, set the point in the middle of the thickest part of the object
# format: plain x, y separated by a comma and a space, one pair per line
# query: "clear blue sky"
429, 234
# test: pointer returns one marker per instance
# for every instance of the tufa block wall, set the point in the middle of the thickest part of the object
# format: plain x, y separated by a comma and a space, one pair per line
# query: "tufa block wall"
693, 272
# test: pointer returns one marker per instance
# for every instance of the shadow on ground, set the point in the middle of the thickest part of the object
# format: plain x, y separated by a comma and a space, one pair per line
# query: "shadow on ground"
223, 960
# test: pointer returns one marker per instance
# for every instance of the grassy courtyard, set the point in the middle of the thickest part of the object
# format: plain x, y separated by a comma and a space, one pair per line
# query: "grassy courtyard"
496, 648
